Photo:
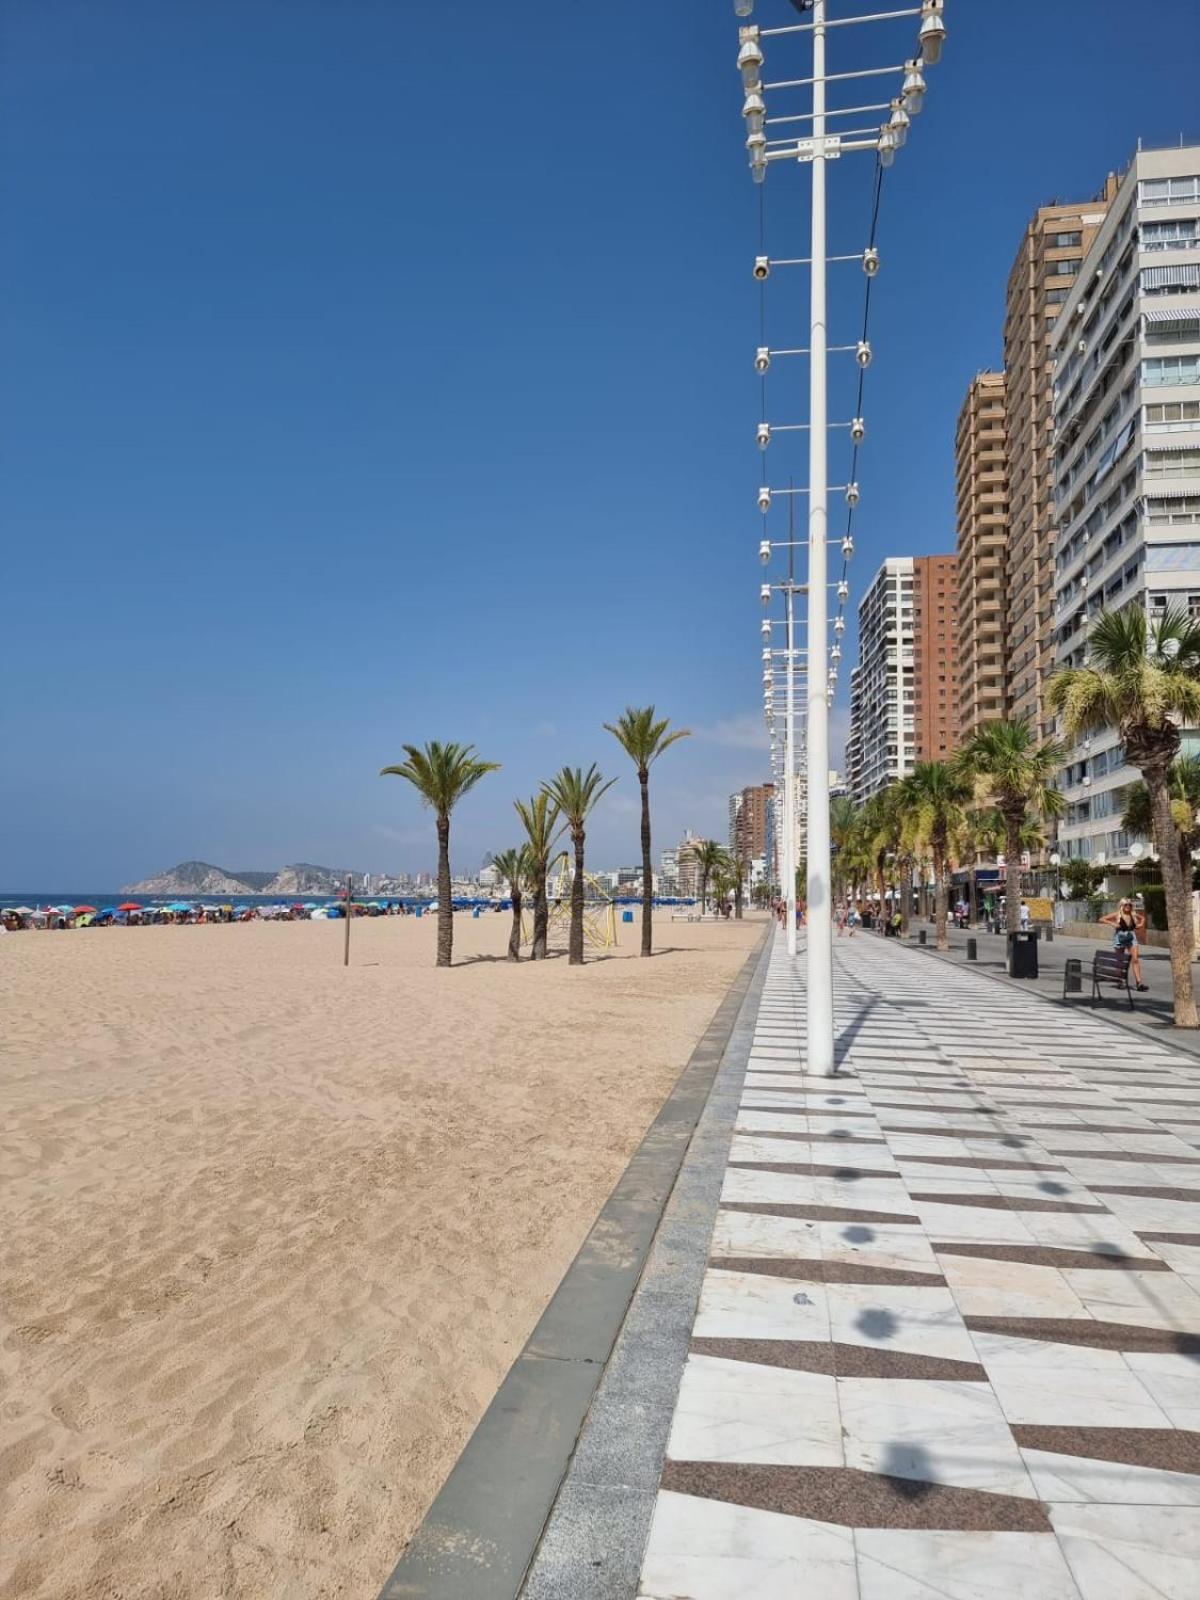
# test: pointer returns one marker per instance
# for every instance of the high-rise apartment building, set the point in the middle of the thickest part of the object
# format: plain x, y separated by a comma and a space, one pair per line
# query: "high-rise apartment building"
1127, 452
981, 494
687, 871
883, 735
903, 694
1047, 264
935, 703
748, 812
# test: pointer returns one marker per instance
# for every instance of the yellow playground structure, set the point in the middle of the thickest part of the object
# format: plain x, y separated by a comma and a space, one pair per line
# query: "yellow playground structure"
599, 909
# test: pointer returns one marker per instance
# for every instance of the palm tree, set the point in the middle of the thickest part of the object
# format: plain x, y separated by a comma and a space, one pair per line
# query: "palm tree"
643, 740
935, 795
722, 885
881, 825
1016, 775
984, 833
1184, 781
1143, 681
843, 830
574, 792
513, 867
709, 857
539, 817
736, 874
441, 774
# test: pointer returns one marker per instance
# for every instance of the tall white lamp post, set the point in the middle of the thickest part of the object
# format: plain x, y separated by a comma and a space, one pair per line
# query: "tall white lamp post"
817, 147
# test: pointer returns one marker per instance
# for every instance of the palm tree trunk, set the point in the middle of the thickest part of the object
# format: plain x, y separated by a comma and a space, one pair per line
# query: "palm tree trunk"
541, 916
940, 896
575, 943
514, 938
1178, 897
703, 892
906, 874
445, 930
647, 866
737, 899
1013, 820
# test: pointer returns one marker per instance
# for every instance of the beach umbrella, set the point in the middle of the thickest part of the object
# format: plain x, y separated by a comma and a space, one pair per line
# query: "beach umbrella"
83, 911
21, 911
129, 905
177, 905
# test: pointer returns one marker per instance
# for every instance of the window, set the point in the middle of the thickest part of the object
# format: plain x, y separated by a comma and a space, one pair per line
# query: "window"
1185, 331
1172, 414
1169, 191
1180, 511
1166, 372
1170, 280
1063, 269
1055, 297
1169, 235
1172, 464
1064, 241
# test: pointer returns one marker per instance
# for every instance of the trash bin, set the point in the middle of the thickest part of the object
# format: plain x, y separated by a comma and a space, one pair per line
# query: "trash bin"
1023, 954
627, 916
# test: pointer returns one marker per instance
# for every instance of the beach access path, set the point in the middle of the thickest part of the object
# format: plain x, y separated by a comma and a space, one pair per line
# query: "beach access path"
930, 1328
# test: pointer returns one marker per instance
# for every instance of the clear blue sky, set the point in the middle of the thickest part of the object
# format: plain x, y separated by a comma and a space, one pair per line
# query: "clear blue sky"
375, 373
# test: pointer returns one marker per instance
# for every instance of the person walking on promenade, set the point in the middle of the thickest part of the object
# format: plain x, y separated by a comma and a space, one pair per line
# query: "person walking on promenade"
1126, 924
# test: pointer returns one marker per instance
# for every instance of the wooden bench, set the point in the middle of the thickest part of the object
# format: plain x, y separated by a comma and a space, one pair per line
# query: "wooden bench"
1111, 966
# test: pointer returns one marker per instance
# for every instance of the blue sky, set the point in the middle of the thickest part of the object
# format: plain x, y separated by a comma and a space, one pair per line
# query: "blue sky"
374, 374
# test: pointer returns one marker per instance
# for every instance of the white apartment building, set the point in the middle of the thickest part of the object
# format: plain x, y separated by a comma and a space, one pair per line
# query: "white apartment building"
1126, 353
882, 743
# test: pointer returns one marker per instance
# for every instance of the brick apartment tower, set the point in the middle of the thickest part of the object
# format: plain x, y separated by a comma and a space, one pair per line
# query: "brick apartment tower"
981, 488
748, 831
1047, 262
936, 727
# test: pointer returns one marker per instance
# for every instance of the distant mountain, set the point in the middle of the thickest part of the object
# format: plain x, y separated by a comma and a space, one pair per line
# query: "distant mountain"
190, 877
201, 877
303, 878
253, 880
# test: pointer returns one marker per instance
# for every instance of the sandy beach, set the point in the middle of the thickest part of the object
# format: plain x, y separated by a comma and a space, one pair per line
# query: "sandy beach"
272, 1231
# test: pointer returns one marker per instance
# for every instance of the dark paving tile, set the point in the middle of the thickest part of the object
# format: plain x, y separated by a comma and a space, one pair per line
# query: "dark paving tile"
765, 1208
814, 1169
803, 1270
1168, 1449
840, 1360
1003, 1202
1036, 1255
992, 1163
855, 1499
1122, 1336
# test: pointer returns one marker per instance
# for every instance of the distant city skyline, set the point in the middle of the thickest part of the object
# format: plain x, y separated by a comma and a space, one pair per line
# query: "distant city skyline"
331, 429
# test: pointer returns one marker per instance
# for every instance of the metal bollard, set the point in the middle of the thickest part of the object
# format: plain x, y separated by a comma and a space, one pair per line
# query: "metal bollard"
1049, 935
921, 936
972, 950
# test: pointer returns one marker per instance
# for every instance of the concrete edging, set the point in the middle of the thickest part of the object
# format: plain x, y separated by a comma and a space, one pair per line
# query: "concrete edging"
479, 1536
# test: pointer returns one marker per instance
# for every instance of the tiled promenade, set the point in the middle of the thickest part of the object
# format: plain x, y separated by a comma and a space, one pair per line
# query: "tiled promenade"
948, 1341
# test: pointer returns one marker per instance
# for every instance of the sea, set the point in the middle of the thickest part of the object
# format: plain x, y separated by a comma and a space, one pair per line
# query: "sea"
115, 897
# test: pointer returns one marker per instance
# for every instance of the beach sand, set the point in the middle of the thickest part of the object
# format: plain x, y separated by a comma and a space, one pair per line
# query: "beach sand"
272, 1232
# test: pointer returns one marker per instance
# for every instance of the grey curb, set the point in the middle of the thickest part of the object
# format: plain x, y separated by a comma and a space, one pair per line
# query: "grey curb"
479, 1536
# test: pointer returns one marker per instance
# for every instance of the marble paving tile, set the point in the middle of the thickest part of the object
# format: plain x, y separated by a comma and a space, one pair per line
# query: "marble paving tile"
708, 1550
1184, 1258
1174, 1383
924, 1320
985, 1288
868, 1158
869, 1244
736, 1411
743, 1183
1000, 1351
747, 1305
1138, 1211
931, 1431
1060, 1478
1073, 1396
905, 1564
1146, 1299
1083, 1230
974, 1223
1130, 1552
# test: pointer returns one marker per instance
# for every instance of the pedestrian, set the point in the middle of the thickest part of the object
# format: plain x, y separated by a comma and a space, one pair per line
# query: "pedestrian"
1126, 924
1023, 914
853, 918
